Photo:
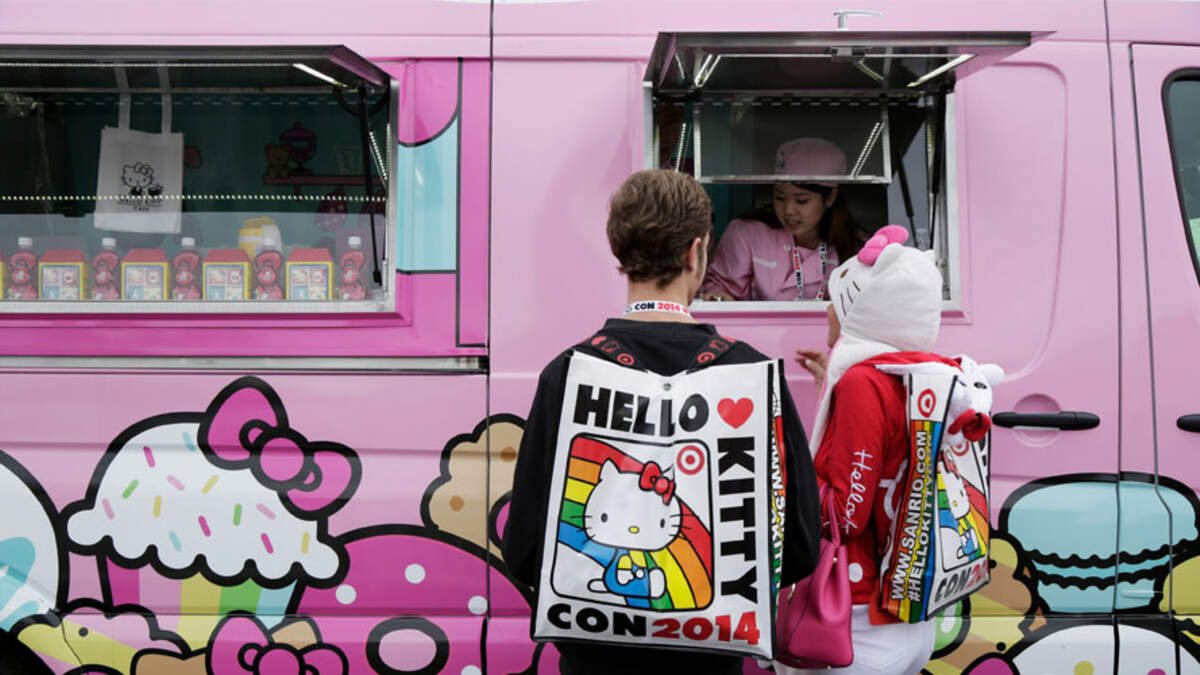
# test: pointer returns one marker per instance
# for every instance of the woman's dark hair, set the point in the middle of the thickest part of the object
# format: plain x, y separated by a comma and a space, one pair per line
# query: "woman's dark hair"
837, 227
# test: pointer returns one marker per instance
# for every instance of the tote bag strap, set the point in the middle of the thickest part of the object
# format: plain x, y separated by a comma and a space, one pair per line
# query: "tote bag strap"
164, 81
610, 348
124, 103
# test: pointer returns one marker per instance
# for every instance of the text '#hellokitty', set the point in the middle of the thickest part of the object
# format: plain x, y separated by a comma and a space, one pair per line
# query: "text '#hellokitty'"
662, 527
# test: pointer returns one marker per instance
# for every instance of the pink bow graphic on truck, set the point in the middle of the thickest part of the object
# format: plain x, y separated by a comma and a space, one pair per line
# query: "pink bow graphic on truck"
240, 646
246, 426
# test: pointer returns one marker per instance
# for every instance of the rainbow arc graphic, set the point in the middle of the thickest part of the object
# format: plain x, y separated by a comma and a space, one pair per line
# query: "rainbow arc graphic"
686, 562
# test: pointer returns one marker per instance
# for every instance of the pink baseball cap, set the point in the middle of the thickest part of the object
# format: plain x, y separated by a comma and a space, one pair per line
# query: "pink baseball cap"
810, 157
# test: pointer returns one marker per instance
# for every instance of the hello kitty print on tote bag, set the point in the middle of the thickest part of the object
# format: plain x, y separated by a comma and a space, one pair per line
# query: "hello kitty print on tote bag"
665, 523
937, 553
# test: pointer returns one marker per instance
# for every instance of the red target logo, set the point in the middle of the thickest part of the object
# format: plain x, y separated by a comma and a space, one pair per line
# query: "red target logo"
926, 402
690, 460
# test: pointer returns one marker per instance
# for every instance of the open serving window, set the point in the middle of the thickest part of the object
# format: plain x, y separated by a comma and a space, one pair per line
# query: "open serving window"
867, 117
227, 180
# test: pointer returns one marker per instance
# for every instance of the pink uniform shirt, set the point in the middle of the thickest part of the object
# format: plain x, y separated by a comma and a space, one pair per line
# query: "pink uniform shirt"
753, 261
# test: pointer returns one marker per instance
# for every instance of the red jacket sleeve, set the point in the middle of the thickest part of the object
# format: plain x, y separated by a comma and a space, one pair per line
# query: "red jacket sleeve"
850, 461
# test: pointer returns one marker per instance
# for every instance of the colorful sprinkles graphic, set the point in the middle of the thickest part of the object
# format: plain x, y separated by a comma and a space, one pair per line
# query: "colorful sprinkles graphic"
686, 561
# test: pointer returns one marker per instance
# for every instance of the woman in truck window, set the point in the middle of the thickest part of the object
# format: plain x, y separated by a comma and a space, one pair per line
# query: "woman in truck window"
788, 250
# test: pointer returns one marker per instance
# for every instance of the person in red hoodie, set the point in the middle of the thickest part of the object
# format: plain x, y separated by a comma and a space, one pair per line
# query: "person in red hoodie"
885, 309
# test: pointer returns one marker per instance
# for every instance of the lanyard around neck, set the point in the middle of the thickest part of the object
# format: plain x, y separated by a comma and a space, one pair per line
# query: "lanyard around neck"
657, 306
797, 265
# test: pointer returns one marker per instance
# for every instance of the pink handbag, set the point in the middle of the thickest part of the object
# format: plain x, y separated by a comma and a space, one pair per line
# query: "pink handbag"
812, 623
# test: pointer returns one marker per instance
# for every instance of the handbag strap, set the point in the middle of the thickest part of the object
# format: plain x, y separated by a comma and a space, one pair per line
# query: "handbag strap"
835, 532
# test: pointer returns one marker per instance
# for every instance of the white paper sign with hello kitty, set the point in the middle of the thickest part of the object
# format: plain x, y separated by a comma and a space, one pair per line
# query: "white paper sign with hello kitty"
665, 522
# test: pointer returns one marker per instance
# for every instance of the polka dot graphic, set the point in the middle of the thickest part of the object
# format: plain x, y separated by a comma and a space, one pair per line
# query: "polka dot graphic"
855, 572
414, 573
346, 594
428, 573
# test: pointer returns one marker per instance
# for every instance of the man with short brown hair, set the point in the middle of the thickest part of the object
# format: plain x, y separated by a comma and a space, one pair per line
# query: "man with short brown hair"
659, 226
652, 217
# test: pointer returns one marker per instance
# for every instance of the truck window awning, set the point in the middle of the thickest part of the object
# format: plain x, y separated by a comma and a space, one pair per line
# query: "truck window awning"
826, 62
83, 69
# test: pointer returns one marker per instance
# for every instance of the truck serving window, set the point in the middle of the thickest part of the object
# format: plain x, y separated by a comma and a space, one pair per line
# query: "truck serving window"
192, 180
807, 144
1183, 132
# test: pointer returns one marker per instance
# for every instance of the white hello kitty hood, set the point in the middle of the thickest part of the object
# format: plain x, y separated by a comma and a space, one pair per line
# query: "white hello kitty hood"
888, 298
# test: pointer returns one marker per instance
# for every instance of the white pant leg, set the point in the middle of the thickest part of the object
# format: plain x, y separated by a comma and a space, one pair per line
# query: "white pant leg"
892, 649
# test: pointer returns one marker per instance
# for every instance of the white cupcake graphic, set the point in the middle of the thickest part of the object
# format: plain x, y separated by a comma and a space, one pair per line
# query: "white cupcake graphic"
231, 505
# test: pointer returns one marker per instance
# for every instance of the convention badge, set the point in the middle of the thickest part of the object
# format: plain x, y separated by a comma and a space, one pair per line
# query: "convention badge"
662, 528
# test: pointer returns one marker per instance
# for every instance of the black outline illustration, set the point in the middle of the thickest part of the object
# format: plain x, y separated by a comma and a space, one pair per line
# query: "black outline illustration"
270, 644
54, 618
105, 551
712, 553
445, 477
487, 564
418, 623
57, 523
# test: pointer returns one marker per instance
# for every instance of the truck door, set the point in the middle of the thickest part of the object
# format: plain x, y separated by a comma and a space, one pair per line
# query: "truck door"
1166, 88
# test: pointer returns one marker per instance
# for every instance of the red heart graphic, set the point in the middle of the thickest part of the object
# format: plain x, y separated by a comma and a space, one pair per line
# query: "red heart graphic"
735, 413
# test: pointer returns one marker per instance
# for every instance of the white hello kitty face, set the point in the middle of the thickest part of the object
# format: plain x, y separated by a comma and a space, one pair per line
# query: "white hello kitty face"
956, 494
138, 175
979, 379
619, 513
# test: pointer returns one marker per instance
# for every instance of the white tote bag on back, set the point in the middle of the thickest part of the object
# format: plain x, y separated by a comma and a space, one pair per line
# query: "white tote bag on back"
137, 169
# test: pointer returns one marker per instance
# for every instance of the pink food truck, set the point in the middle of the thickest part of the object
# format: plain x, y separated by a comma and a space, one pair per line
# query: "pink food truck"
349, 235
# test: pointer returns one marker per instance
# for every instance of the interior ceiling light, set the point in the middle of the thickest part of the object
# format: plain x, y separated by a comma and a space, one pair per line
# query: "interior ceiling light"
951, 64
321, 76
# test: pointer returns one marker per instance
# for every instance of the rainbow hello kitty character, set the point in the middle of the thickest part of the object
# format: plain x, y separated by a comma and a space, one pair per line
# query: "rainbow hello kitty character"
634, 514
969, 415
955, 498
